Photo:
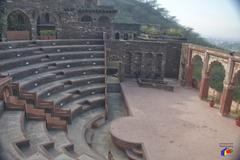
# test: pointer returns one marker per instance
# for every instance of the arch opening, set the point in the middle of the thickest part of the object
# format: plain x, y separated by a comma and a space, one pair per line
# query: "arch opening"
128, 60
125, 36
46, 26
216, 74
104, 21
117, 36
18, 26
137, 63
148, 65
197, 66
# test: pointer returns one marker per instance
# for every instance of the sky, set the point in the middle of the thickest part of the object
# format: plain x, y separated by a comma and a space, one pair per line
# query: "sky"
218, 19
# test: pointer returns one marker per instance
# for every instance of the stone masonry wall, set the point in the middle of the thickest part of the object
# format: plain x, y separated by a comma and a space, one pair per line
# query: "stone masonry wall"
145, 57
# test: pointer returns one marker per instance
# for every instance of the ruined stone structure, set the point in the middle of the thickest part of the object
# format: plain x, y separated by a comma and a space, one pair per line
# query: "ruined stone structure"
152, 59
209, 57
68, 19
62, 82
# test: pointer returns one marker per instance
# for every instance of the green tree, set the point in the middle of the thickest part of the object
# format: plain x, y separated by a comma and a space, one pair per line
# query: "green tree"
217, 76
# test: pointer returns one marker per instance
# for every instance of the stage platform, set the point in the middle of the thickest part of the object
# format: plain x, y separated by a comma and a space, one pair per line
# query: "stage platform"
174, 125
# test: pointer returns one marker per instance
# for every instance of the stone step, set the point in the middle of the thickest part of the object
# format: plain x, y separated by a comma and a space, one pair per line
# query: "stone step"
24, 52
49, 89
138, 151
78, 129
57, 42
11, 69
40, 57
132, 155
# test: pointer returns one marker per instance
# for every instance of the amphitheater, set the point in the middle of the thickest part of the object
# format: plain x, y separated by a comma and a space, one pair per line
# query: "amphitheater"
95, 87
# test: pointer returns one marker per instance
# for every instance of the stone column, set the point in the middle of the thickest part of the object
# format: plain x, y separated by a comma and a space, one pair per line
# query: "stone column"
226, 100
4, 31
143, 70
164, 59
189, 68
33, 29
204, 87
154, 67
189, 74
227, 95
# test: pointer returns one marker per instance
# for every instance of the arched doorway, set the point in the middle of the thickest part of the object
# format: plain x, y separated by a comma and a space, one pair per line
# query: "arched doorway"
197, 66
137, 63
86, 18
18, 26
158, 64
216, 74
117, 36
125, 36
104, 21
148, 65
128, 61
46, 26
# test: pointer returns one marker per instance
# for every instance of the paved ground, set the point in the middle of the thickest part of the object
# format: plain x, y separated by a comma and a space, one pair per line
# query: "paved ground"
174, 125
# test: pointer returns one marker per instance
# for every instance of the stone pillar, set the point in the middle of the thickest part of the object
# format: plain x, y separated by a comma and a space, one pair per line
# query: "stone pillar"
189, 75
204, 87
189, 68
226, 100
227, 95
164, 60
4, 29
154, 62
143, 70
33, 29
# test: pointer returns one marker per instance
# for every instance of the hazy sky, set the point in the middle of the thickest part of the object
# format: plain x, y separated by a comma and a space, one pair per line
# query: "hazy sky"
211, 18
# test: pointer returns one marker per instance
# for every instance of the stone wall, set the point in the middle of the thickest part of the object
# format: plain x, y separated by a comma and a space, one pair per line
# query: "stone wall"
161, 59
63, 15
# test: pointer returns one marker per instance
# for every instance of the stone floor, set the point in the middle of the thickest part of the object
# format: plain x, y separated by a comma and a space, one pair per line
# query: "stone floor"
175, 125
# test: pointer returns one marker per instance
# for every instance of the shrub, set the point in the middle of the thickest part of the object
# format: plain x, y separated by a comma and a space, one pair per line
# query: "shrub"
174, 32
47, 33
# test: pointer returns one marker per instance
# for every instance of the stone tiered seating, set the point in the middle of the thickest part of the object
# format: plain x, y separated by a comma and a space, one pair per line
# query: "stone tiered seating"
54, 80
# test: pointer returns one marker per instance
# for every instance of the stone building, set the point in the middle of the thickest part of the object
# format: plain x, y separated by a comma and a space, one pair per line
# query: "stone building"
68, 19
